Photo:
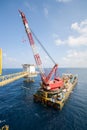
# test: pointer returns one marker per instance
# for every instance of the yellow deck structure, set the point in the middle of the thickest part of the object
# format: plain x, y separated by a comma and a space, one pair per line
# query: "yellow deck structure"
57, 98
6, 127
0, 61
6, 79
28, 73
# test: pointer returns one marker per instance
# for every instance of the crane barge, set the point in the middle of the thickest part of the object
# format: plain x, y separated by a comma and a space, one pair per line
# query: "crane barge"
52, 92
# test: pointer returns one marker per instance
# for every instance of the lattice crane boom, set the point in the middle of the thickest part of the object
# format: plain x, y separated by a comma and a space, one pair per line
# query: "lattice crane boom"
46, 82
29, 34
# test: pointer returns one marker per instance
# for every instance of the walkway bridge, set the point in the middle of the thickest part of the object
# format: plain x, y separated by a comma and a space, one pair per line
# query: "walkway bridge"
28, 73
6, 79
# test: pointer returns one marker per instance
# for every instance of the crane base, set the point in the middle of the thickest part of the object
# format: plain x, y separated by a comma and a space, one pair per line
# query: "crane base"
57, 98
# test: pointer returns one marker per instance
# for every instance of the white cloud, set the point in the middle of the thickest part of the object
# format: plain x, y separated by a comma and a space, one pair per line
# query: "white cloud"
75, 58
63, 1
59, 41
81, 39
46, 12
8, 59
55, 35
4, 54
77, 41
10, 62
80, 28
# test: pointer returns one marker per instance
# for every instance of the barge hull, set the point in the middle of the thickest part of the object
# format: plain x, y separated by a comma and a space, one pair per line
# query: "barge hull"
43, 96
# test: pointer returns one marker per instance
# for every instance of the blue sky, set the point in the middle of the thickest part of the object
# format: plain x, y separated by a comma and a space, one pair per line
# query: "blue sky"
61, 26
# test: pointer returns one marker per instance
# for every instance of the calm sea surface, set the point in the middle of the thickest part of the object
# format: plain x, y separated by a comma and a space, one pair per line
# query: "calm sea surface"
18, 110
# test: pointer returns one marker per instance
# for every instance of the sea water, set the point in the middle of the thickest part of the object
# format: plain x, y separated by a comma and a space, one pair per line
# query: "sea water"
18, 110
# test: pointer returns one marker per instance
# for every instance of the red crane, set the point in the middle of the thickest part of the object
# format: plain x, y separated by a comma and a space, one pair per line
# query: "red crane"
47, 83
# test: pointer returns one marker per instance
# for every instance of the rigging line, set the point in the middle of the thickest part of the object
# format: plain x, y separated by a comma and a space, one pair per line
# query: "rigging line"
42, 46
